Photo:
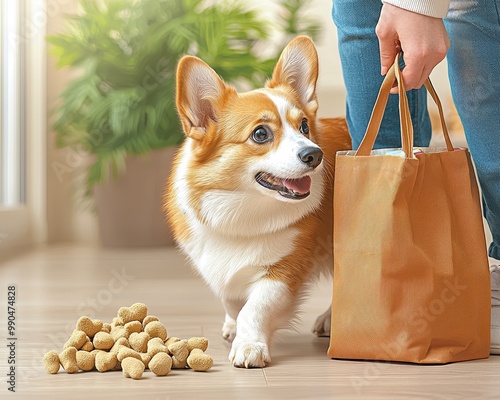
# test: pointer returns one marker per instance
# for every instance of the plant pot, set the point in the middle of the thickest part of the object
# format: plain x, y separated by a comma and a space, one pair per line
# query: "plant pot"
130, 208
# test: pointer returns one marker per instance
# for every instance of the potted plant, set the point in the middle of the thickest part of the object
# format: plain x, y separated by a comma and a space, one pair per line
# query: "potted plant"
121, 107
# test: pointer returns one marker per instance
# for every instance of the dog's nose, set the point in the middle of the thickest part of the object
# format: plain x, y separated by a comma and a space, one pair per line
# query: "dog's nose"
311, 156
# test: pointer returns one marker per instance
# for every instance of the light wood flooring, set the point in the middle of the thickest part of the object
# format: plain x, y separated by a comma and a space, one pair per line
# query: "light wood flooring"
57, 285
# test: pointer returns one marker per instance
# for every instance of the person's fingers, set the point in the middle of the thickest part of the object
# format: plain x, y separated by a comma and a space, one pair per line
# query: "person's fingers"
418, 68
412, 75
389, 46
423, 39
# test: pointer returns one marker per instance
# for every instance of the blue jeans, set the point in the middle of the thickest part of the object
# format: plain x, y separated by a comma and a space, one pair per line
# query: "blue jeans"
474, 71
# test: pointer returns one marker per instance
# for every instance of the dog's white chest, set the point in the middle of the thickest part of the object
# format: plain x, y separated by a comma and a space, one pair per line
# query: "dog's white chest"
231, 264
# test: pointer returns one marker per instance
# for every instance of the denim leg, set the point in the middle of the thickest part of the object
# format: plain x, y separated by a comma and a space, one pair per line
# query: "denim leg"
474, 70
359, 54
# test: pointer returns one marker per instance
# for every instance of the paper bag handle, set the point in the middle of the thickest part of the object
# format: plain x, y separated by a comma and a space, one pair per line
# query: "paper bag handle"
406, 125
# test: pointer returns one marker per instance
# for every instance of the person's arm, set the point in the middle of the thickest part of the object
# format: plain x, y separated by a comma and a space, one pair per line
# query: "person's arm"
419, 31
431, 8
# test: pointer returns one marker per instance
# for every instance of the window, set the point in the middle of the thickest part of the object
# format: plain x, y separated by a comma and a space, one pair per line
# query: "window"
22, 122
12, 179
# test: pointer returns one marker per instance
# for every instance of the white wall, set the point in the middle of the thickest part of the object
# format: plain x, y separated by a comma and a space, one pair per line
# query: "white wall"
331, 93
68, 221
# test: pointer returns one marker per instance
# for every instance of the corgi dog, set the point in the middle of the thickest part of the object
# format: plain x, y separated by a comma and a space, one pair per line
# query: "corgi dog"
250, 196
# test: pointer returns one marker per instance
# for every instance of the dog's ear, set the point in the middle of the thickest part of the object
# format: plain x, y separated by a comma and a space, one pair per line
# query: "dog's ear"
297, 68
200, 95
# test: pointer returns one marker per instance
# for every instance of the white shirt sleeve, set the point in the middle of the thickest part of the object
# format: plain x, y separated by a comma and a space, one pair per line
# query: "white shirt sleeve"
432, 8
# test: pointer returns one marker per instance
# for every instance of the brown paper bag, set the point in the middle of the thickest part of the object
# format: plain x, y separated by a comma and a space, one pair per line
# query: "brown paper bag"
411, 278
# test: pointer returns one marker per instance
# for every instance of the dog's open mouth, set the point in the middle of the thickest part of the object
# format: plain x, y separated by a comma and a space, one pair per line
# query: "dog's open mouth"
290, 188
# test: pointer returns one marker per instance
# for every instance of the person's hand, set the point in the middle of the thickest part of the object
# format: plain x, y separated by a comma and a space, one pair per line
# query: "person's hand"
423, 40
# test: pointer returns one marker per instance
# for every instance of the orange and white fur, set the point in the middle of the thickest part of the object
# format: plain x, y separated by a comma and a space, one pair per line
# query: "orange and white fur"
250, 195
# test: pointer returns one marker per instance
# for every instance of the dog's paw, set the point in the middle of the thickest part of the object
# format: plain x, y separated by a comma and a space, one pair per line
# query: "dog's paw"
322, 324
249, 354
229, 331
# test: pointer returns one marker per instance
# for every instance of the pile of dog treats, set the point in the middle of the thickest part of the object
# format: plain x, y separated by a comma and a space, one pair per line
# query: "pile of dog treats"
133, 341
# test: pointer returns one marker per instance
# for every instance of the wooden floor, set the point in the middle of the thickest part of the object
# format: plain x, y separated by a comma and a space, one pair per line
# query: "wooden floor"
57, 285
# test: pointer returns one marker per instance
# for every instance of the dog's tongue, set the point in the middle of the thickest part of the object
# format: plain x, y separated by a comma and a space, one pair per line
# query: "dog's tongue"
301, 185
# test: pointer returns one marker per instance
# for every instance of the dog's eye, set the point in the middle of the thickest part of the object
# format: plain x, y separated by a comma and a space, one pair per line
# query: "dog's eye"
261, 135
304, 127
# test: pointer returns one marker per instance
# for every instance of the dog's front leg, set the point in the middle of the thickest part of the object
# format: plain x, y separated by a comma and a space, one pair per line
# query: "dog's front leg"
268, 304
